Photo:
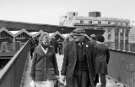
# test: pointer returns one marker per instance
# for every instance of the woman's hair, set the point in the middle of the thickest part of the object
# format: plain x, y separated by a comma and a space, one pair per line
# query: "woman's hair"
43, 34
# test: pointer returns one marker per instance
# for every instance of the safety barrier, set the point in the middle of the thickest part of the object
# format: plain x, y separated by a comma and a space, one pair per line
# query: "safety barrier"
122, 67
12, 73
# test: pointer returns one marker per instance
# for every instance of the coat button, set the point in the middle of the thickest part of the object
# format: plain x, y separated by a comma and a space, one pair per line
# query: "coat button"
86, 45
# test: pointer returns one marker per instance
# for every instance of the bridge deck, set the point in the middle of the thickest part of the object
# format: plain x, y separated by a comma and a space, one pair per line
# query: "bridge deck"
27, 79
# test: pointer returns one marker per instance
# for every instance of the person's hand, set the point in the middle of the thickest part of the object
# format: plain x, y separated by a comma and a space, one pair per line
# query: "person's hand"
32, 83
57, 76
62, 79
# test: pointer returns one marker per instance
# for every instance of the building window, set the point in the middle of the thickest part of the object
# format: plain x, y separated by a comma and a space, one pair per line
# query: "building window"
109, 36
99, 22
95, 22
90, 22
109, 22
127, 24
74, 13
81, 21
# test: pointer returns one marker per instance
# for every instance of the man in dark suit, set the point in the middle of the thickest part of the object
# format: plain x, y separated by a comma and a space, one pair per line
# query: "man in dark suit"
101, 59
44, 66
78, 63
33, 42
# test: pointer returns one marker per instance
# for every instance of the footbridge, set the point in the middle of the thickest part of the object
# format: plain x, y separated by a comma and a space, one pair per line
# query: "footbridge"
16, 71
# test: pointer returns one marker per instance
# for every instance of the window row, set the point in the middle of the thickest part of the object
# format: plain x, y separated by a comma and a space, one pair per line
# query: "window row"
103, 22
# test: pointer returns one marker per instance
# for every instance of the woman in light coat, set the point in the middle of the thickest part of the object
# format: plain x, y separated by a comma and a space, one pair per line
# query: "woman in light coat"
44, 69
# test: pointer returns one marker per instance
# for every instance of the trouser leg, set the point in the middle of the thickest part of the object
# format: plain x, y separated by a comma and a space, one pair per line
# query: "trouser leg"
103, 80
96, 80
85, 79
81, 79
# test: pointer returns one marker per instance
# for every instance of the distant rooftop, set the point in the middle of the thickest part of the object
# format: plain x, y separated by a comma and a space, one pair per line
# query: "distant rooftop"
14, 26
96, 15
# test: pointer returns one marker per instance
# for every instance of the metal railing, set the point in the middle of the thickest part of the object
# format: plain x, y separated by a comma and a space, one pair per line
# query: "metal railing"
122, 67
11, 74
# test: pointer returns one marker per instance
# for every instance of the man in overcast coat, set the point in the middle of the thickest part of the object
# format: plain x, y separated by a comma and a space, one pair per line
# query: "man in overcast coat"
78, 73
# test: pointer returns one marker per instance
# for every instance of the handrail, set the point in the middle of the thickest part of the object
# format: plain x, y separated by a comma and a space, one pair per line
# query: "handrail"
123, 51
11, 74
10, 63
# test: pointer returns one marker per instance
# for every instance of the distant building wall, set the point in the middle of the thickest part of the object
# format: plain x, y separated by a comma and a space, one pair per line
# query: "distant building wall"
132, 39
116, 30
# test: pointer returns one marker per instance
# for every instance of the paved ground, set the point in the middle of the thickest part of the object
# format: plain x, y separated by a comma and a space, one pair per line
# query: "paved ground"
27, 79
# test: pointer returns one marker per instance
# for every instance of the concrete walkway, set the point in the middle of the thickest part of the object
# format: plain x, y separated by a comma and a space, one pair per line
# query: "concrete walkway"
27, 79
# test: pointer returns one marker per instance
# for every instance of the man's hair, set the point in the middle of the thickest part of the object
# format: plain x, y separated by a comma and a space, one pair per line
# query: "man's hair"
93, 36
100, 38
79, 31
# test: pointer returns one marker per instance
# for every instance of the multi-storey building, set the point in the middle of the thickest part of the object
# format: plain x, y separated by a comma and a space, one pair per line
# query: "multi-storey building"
116, 30
132, 39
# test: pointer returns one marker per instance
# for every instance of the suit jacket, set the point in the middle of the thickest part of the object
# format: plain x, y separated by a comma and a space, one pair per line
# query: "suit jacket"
70, 59
44, 66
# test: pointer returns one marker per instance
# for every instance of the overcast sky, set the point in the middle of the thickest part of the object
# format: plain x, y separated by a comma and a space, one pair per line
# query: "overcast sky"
50, 11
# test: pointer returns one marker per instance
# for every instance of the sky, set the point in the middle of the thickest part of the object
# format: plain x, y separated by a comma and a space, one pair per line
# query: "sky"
50, 11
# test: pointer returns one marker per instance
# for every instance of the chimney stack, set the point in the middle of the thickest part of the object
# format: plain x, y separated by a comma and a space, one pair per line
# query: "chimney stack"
94, 14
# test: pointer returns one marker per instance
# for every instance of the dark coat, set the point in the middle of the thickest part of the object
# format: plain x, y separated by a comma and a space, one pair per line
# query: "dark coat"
102, 58
33, 42
44, 66
70, 59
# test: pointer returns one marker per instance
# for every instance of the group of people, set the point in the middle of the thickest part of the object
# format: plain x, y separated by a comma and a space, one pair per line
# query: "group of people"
85, 60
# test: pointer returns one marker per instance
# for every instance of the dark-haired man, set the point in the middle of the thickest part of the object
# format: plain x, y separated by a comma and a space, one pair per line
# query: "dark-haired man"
78, 63
101, 59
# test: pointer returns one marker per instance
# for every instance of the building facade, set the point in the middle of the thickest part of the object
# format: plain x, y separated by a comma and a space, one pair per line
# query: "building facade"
116, 30
132, 39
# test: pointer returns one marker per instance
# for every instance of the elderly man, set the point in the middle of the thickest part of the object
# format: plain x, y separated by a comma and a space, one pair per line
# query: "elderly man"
78, 63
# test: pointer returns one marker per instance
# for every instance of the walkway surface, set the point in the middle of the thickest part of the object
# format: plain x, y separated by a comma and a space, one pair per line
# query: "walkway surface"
27, 79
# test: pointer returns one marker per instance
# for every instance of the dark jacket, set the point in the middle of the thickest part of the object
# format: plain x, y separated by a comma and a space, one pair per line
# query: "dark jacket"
70, 59
44, 66
102, 58
33, 42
